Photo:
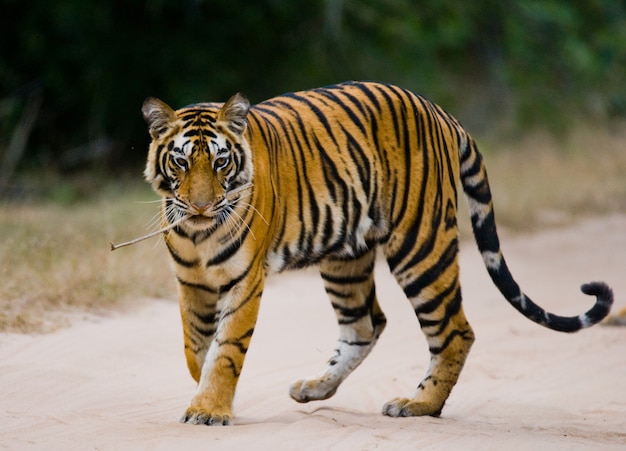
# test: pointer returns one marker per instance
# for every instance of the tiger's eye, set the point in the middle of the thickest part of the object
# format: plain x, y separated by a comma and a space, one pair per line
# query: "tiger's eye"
181, 162
220, 162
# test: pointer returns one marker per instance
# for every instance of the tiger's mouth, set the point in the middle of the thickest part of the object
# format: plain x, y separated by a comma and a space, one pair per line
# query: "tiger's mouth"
207, 219
203, 217
212, 217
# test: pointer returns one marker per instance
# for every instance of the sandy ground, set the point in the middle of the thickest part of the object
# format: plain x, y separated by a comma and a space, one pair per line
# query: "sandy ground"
122, 383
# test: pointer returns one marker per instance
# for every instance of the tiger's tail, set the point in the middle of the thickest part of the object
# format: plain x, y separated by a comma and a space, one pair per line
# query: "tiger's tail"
476, 187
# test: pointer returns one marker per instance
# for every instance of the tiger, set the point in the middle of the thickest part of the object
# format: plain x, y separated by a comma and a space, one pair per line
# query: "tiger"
325, 177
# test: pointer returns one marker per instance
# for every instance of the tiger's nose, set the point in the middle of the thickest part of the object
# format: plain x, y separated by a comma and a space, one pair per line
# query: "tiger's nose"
201, 206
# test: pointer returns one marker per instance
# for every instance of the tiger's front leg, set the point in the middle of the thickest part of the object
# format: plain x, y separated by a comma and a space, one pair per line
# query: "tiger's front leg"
199, 315
350, 286
223, 362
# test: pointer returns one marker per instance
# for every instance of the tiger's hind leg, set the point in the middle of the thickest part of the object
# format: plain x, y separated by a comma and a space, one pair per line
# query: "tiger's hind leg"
350, 286
433, 288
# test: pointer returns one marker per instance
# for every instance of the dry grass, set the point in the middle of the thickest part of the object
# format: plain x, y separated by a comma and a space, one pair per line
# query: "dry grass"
543, 181
540, 181
55, 261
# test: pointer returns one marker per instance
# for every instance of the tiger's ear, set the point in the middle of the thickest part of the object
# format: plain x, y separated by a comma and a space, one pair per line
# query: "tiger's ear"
233, 113
158, 115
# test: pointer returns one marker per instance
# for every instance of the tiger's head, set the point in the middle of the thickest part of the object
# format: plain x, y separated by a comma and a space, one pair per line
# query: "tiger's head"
199, 159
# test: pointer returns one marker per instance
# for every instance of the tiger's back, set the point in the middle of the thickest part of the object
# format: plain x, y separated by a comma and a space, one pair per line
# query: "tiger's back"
344, 185
324, 177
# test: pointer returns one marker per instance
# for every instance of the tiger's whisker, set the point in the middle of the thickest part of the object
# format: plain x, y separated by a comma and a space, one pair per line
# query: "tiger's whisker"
155, 222
237, 190
249, 205
242, 223
147, 201
235, 228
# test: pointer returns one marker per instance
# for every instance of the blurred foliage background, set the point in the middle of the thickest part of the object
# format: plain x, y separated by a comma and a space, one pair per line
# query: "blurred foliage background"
74, 73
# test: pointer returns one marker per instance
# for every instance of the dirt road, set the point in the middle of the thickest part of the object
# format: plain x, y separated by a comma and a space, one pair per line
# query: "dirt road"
121, 382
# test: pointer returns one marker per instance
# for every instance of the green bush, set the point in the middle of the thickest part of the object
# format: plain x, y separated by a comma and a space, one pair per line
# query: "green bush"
92, 63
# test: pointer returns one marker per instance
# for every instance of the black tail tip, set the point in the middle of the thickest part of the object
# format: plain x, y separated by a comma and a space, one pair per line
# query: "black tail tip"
602, 307
600, 290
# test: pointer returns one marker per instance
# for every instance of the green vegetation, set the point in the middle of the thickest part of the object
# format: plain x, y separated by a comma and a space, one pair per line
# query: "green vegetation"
73, 74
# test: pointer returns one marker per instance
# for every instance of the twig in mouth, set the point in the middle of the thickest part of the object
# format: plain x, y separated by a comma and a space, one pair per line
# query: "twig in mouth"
228, 195
151, 234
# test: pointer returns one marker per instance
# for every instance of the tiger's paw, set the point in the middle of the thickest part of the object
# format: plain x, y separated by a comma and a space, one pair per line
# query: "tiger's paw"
196, 415
404, 407
306, 390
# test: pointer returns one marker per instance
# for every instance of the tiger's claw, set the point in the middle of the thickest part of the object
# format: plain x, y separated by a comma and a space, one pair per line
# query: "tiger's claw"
195, 415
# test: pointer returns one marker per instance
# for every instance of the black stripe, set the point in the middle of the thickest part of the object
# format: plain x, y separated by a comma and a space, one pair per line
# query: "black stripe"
193, 132
255, 292
486, 235
432, 305
430, 275
479, 192
201, 236
321, 116
428, 243
369, 94
207, 318
344, 280
452, 309
353, 313
158, 162
314, 212
465, 335
231, 364
236, 342
335, 182
204, 329
360, 158
419, 118
338, 294
179, 260
354, 119
391, 109
197, 286
355, 343
328, 228
181, 233
230, 250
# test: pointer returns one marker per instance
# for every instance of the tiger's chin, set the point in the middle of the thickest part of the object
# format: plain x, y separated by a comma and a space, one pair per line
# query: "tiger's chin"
200, 222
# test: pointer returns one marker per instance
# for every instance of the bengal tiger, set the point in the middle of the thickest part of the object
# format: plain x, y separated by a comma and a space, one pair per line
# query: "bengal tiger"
323, 177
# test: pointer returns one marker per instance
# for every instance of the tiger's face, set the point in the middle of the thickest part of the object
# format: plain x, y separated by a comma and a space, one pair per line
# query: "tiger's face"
199, 159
